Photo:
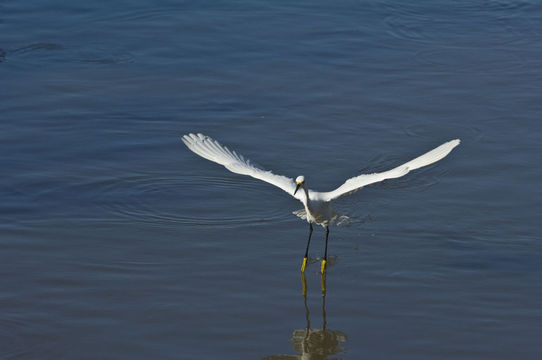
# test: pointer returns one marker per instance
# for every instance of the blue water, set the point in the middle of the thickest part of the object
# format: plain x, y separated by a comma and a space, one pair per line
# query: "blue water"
117, 242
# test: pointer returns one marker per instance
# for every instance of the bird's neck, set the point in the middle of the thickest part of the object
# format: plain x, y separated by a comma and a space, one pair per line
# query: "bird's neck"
307, 200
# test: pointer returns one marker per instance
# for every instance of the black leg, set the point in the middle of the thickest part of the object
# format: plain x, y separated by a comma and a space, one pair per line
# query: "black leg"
307, 249
309, 241
327, 235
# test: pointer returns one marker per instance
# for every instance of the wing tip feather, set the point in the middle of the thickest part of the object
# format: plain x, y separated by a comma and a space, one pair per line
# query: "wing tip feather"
455, 142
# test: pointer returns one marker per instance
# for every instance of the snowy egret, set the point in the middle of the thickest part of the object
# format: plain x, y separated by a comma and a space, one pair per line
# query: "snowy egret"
317, 204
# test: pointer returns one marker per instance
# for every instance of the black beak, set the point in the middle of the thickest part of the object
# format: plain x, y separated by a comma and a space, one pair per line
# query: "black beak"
297, 188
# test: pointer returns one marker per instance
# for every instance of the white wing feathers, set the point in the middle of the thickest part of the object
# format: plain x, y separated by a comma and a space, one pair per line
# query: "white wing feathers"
432, 156
357, 182
212, 150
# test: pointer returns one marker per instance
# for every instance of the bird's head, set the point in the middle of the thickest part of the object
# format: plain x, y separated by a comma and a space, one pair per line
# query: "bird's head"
300, 181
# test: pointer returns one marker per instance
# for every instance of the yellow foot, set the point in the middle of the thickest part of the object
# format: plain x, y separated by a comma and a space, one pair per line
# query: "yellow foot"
304, 264
323, 268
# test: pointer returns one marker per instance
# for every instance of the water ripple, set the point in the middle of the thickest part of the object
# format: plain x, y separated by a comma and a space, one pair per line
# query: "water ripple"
102, 56
160, 200
23, 339
138, 14
35, 51
35, 47
424, 131
457, 22
13, 346
480, 60
87, 53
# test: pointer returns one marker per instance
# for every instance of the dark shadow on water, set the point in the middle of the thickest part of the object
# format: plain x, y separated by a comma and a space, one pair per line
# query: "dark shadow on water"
312, 343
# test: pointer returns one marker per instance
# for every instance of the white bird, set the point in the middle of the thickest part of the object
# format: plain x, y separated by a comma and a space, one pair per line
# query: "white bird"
317, 204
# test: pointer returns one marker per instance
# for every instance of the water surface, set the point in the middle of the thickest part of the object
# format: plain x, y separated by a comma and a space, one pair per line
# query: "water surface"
116, 242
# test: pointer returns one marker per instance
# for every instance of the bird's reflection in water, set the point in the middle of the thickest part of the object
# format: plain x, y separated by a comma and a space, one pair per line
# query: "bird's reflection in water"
314, 344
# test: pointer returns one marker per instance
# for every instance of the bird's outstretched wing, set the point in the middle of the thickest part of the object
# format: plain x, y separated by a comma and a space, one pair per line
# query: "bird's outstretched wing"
211, 149
358, 182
